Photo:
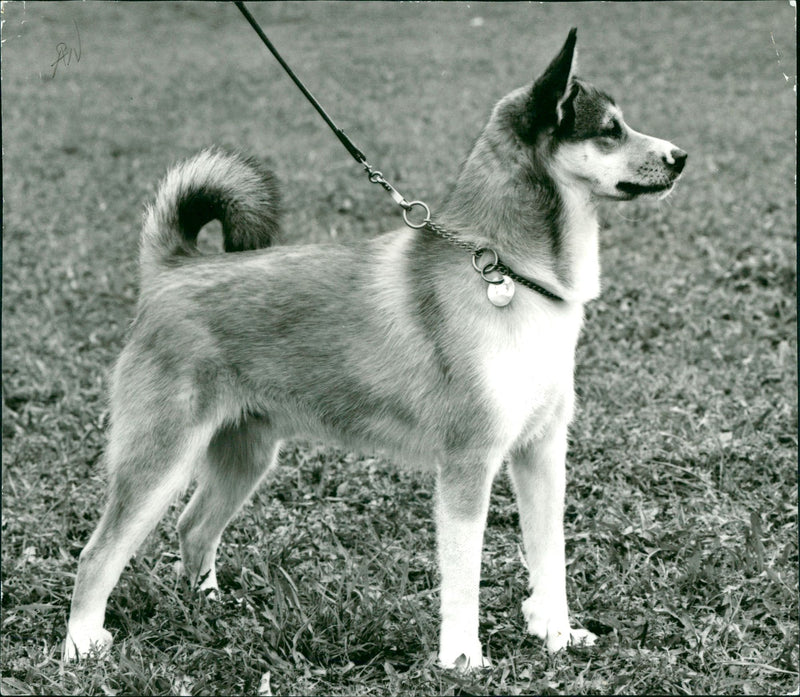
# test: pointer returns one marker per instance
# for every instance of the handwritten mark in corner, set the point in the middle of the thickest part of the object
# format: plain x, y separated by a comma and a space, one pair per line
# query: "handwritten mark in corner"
65, 53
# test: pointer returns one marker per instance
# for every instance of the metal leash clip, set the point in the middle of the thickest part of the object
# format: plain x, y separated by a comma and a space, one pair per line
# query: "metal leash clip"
376, 177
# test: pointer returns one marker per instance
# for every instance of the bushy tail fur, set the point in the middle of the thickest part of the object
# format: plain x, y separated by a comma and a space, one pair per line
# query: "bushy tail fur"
213, 185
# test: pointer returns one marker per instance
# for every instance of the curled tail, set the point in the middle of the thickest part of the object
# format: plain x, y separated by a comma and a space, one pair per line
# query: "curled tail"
213, 185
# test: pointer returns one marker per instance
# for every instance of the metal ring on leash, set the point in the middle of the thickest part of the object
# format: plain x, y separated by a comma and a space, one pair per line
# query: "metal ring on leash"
406, 211
487, 268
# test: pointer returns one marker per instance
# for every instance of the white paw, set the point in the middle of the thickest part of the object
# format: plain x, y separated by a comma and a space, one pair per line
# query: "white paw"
560, 639
553, 626
464, 658
81, 641
210, 593
208, 585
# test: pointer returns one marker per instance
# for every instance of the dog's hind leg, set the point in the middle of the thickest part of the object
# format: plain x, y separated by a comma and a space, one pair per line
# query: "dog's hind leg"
141, 490
463, 489
539, 476
238, 457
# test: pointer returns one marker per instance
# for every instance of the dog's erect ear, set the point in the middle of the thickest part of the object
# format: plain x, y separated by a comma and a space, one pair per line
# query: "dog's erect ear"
552, 92
560, 72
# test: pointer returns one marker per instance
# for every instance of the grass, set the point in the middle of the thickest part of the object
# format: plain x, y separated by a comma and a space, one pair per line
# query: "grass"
682, 495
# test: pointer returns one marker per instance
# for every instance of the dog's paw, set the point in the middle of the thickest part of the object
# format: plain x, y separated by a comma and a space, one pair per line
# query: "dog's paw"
206, 584
546, 618
553, 627
464, 659
81, 642
560, 639
582, 637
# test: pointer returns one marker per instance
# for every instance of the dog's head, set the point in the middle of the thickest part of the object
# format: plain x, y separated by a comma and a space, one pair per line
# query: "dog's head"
587, 143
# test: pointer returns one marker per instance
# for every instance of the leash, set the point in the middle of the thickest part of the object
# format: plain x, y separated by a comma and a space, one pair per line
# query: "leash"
500, 290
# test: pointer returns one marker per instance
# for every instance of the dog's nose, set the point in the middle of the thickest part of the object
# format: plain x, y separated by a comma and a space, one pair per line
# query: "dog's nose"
676, 159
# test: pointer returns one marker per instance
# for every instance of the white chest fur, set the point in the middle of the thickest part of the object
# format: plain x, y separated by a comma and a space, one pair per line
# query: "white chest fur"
528, 361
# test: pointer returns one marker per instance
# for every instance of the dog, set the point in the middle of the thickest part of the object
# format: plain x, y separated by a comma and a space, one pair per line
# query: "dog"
392, 344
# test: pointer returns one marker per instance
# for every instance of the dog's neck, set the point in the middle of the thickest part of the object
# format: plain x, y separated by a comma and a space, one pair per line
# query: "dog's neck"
541, 228
579, 254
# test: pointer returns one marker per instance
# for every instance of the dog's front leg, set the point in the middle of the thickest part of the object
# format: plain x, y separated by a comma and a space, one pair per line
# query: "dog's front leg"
462, 500
538, 473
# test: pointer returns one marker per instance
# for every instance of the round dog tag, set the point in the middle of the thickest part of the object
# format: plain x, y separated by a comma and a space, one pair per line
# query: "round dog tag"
500, 294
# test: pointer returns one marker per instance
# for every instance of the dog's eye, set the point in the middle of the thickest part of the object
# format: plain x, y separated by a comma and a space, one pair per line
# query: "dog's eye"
612, 129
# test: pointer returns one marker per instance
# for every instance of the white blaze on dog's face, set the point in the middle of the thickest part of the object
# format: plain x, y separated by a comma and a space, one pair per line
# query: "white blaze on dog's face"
597, 150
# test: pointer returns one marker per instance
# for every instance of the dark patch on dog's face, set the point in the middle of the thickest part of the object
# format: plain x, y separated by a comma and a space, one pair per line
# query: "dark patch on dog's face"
586, 115
566, 107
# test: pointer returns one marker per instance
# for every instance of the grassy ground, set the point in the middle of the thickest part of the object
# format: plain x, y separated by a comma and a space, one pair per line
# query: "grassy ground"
682, 498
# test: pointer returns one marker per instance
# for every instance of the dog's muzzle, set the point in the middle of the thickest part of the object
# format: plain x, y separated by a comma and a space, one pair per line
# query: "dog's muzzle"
657, 175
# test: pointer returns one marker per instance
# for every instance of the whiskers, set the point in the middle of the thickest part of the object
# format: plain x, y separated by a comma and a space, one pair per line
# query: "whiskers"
666, 195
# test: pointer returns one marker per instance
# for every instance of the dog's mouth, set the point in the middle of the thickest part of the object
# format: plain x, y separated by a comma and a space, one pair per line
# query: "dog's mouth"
633, 189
